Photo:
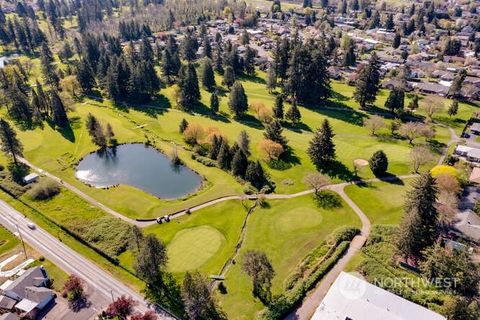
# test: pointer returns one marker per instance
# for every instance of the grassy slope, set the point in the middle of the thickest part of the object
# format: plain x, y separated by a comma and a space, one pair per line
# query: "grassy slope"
220, 224
50, 150
382, 202
286, 231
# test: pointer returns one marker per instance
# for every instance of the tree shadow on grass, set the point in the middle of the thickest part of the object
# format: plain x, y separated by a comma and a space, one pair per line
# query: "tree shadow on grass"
336, 169
298, 127
286, 161
437, 146
339, 97
254, 78
66, 132
391, 179
251, 122
339, 111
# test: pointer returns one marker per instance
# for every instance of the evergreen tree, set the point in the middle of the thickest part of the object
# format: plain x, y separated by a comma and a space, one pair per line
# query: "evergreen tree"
409, 240
207, 48
229, 77
368, 82
239, 163
378, 163
85, 76
420, 201
250, 55
11, 146
273, 131
278, 108
397, 40
395, 101
322, 149
243, 142
48, 69
190, 47
255, 175
350, 58
214, 103
413, 105
224, 157
183, 125
271, 78
293, 113
456, 87
189, 91
59, 114
208, 77
389, 24
238, 101
453, 109
217, 142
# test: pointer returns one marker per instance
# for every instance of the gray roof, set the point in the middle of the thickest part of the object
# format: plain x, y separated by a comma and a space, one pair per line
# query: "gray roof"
33, 277
469, 224
6, 303
38, 294
350, 297
9, 316
475, 126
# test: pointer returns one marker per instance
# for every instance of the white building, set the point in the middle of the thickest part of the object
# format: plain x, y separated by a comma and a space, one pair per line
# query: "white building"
352, 298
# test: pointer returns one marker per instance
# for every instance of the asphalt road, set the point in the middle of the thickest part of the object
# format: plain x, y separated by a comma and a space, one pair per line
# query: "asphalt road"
101, 284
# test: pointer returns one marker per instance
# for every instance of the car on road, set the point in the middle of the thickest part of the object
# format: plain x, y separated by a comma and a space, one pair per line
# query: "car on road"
31, 225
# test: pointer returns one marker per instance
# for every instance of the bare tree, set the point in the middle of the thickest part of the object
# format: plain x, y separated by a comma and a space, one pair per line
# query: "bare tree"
432, 105
374, 123
316, 181
419, 156
414, 130
257, 266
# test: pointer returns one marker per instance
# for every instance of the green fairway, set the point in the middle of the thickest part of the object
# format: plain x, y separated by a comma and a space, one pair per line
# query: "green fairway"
286, 231
58, 152
203, 240
191, 248
382, 202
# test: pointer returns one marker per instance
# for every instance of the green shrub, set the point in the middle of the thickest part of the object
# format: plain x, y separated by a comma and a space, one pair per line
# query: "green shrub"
44, 189
343, 234
328, 199
110, 235
206, 161
8, 184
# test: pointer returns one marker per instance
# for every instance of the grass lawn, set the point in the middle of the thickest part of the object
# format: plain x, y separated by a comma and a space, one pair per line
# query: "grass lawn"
41, 220
286, 231
7, 241
382, 202
202, 241
58, 152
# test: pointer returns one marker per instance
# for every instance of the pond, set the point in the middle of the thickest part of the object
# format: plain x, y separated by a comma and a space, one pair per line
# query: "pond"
139, 166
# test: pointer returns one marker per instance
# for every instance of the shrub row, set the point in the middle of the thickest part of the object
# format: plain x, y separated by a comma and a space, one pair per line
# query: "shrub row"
285, 303
44, 189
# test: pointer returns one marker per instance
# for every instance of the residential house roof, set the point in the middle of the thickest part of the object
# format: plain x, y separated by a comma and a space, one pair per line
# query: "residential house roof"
7, 303
9, 316
350, 297
469, 224
33, 277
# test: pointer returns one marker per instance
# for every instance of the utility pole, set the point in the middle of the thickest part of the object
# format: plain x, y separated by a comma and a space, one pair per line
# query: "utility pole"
111, 292
21, 239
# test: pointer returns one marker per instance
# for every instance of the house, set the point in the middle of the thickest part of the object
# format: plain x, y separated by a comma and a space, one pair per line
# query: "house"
468, 223
32, 177
28, 293
350, 297
475, 175
463, 150
474, 155
475, 128
9, 316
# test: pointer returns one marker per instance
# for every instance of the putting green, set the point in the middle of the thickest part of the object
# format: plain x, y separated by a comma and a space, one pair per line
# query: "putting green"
191, 248
304, 218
